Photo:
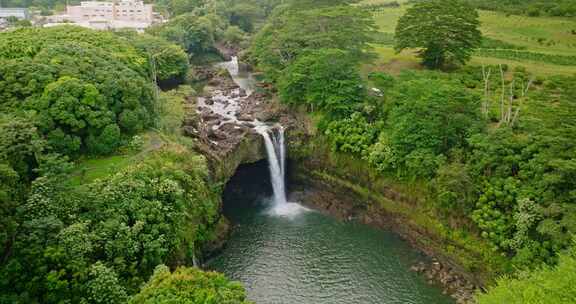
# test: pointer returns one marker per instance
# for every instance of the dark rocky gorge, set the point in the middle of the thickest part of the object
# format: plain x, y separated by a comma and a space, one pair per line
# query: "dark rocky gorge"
222, 119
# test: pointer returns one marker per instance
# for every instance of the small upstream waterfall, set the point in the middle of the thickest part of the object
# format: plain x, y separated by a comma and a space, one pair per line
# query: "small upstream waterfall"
232, 66
276, 153
242, 78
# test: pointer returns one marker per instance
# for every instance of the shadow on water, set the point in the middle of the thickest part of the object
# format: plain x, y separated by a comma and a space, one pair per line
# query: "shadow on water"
313, 258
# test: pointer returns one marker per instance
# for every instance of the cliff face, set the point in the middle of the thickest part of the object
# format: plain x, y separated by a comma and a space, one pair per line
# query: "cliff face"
221, 121
249, 149
349, 188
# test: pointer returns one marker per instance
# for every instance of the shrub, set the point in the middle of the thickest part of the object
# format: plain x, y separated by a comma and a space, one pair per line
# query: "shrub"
189, 286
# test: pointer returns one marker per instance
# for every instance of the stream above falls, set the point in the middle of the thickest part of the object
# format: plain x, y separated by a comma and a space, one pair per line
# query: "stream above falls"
310, 257
286, 253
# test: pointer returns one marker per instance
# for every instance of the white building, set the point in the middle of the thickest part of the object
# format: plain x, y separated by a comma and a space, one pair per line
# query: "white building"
19, 13
98, 15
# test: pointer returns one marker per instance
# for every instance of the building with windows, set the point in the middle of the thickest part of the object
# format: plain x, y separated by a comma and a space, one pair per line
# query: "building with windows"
122, 10
18, 13
133, 14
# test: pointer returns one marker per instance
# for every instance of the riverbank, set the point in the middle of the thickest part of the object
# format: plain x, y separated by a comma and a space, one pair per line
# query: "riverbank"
306, 256
342, 186
348, 188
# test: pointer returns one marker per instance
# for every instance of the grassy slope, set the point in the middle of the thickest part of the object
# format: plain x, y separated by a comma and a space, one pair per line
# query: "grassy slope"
525, 31
393, 63
90, 169
518, 30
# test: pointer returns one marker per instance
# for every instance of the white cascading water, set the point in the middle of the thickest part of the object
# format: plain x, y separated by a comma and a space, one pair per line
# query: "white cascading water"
275, 152
273, 135
243, 79
234, 67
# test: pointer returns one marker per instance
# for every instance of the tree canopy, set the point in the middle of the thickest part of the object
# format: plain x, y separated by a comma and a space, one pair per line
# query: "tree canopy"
189, 286
445, 31
546, 285
84, 89
325, 79
170, 61
100, 242
292, 31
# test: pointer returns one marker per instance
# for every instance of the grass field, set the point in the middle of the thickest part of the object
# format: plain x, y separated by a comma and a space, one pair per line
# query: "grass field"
390, 62
90, 169
545, 35
555, 33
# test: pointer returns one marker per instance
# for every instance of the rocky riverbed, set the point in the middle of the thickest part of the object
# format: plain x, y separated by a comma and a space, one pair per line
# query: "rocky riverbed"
224, 114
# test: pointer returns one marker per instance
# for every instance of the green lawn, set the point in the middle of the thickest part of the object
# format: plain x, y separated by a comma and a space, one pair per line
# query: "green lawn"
525, 31
90, 169
548, 35
537, 68
390, 62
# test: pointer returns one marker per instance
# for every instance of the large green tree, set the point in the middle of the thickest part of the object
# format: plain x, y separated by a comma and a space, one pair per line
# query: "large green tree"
445, 31
194, 32
325, 79
305, 25
426, 119
78, 84
189, 286
169, 61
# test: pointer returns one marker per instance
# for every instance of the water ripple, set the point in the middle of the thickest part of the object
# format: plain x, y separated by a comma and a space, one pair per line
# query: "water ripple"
307, 257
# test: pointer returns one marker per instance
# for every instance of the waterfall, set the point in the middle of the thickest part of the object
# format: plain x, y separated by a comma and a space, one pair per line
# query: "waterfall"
276, 152
233, 66
273, 137
243, 79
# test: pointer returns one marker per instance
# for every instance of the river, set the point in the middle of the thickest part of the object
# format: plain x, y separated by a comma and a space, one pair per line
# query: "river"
309, 257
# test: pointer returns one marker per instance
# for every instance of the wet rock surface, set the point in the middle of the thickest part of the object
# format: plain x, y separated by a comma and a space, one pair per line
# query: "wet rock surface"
223, 117
452, 283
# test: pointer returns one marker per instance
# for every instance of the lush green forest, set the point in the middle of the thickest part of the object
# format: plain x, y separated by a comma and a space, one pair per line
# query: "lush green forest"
492, 145
97, 186
101, 196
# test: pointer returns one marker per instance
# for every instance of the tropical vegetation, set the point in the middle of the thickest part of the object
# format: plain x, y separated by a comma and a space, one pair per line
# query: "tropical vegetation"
492, 145
103, 201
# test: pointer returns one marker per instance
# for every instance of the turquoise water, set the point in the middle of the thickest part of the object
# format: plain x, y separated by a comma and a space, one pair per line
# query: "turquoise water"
314, 258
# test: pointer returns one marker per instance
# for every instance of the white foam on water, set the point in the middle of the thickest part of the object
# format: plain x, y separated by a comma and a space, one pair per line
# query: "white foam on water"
287, 209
